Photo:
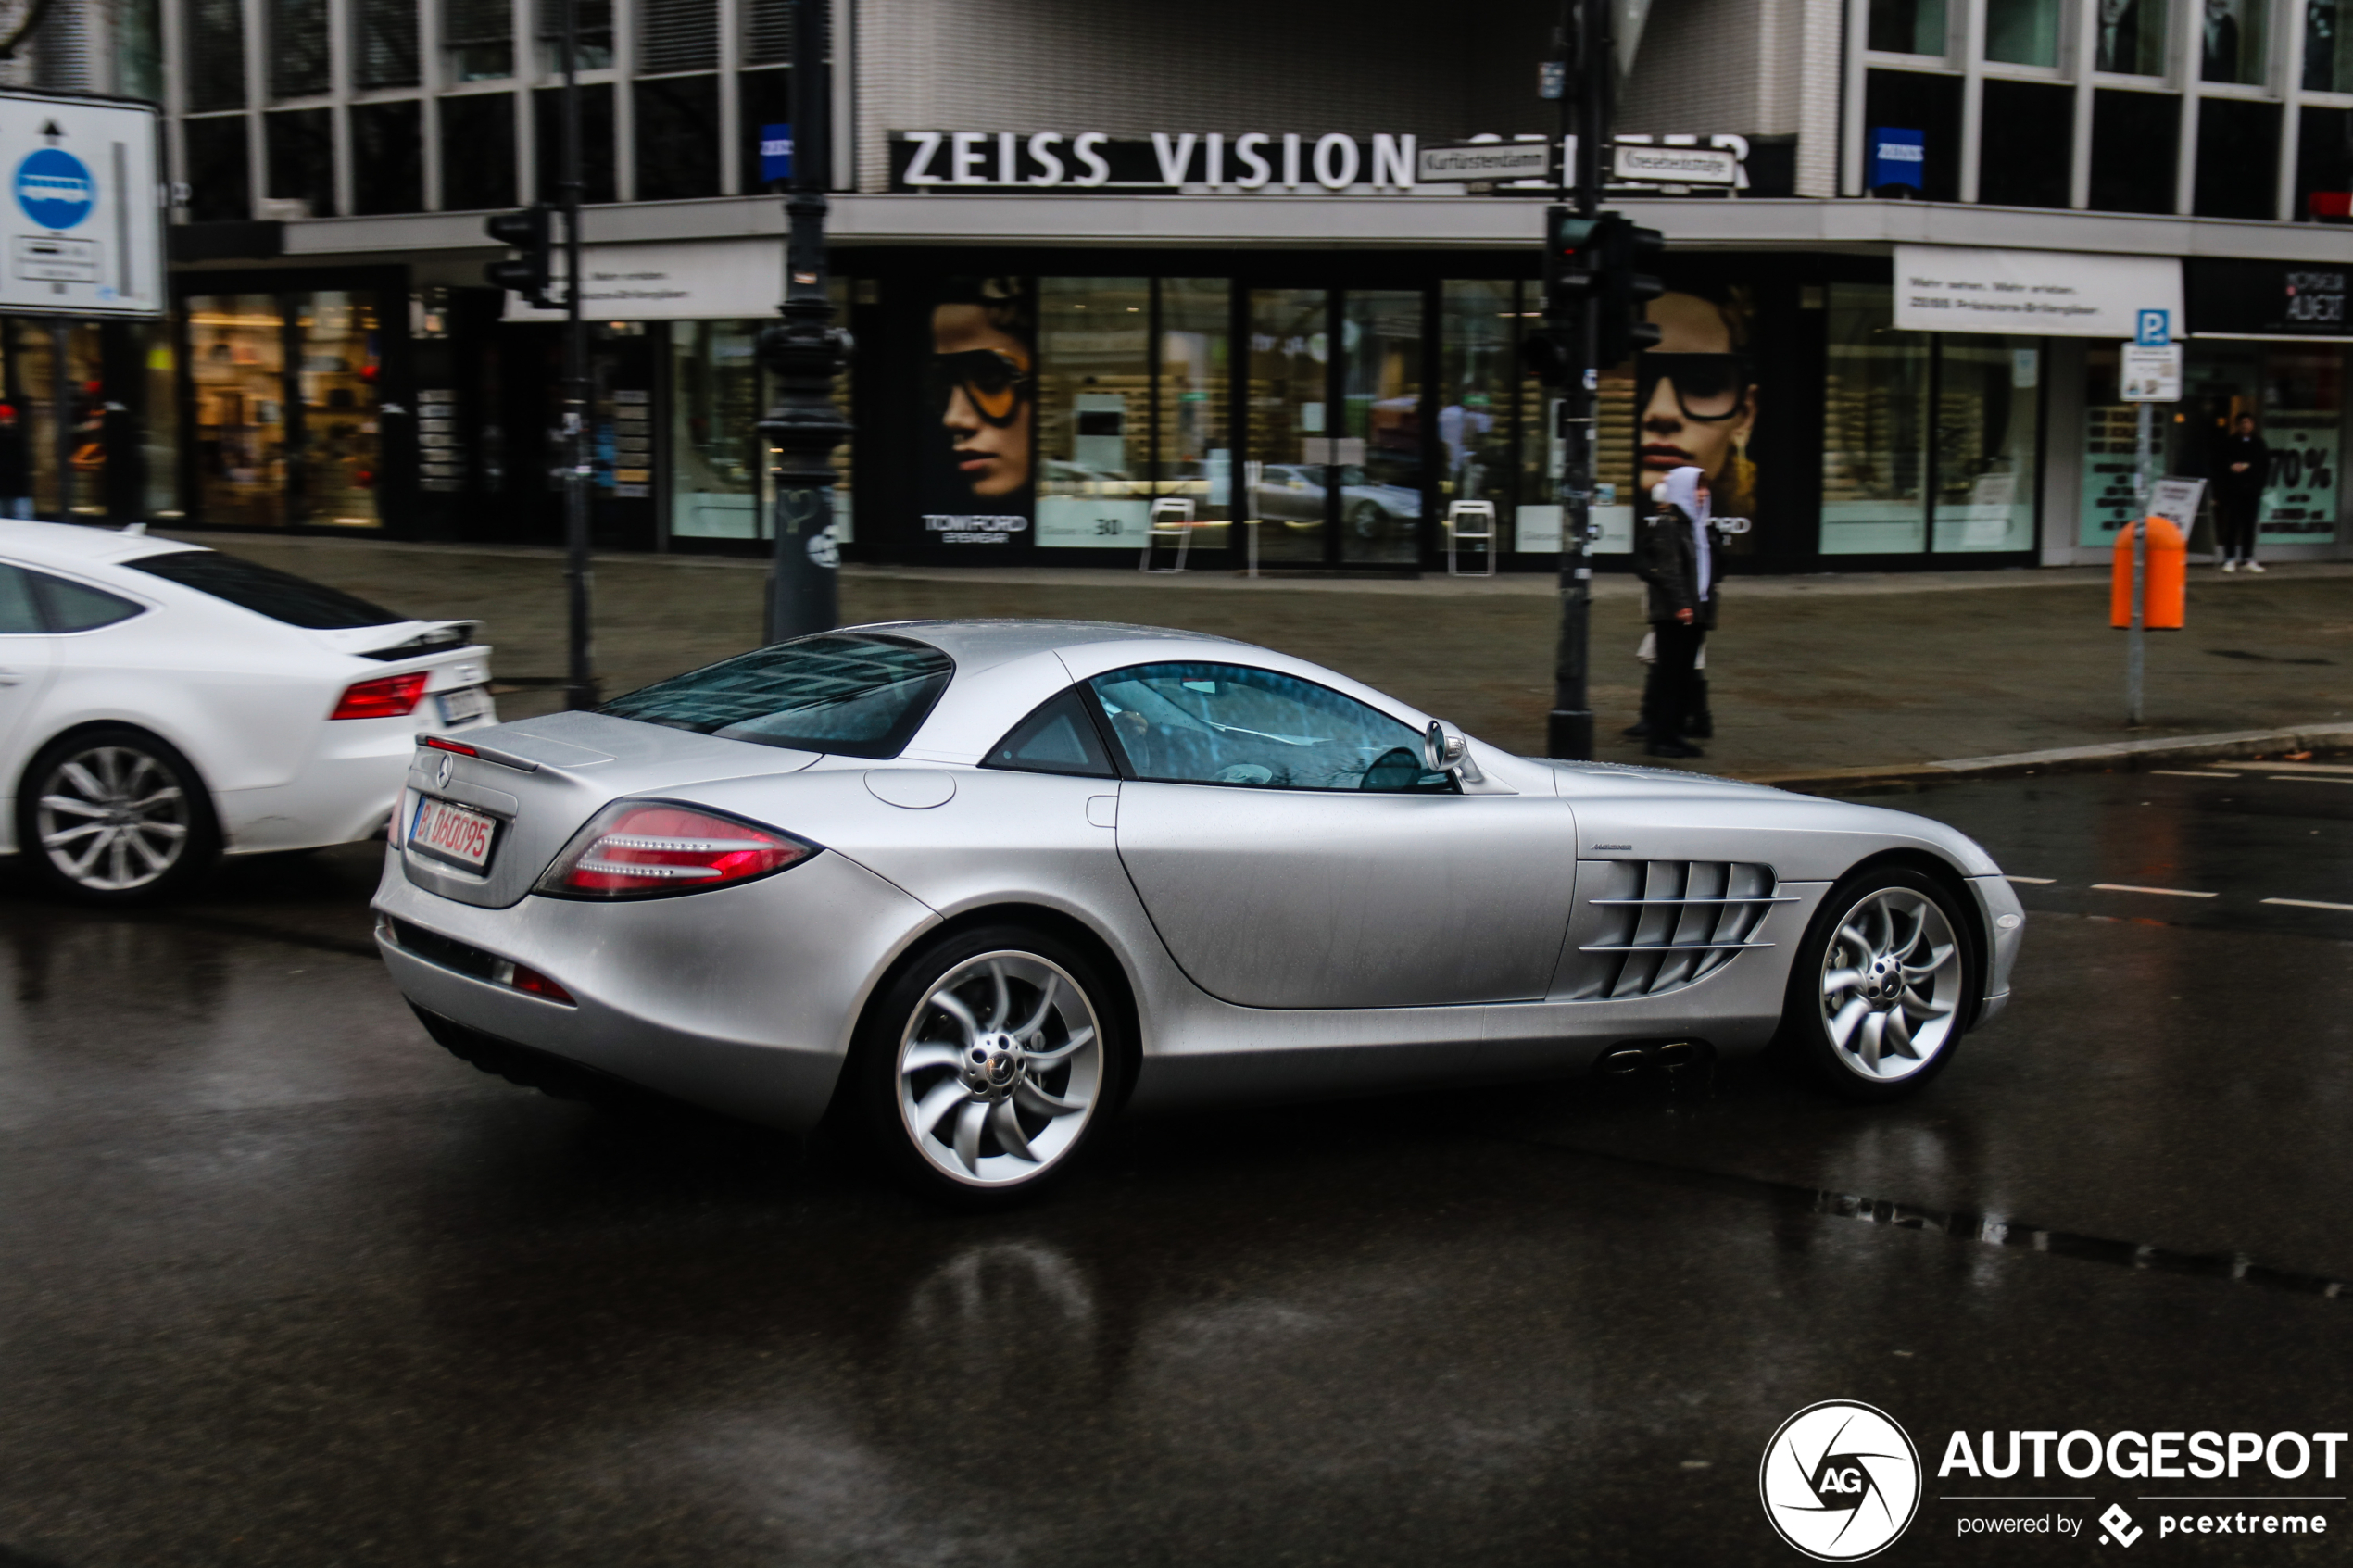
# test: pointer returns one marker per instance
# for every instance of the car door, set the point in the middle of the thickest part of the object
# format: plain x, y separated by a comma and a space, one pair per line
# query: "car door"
26, 666
1293, 851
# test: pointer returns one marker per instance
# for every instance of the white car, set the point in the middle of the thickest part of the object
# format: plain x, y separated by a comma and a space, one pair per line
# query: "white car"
162, 704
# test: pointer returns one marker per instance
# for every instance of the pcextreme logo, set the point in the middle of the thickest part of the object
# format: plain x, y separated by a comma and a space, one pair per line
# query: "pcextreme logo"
1841, 1481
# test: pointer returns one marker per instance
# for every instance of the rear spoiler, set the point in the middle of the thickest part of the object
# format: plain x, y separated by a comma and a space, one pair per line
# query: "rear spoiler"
441, 637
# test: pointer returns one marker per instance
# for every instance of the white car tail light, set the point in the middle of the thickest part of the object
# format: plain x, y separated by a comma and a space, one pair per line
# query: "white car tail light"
637, 849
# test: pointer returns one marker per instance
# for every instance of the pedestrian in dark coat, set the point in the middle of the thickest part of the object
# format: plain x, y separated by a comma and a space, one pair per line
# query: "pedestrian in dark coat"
2240, 469
1675, 555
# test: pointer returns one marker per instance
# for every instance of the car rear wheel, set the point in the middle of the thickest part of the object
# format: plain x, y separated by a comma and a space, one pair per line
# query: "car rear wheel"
988, 1065
1883, 985
1369, 521
115, 816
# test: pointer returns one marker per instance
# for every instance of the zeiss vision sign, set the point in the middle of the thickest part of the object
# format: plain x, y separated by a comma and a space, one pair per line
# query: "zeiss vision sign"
84, 218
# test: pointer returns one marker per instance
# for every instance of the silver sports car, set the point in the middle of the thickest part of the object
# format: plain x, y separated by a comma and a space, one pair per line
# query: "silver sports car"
977, 884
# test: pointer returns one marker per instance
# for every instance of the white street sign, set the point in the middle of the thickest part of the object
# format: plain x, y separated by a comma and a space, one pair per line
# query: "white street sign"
2152, 375
1482, 161
84, 224
1675, 165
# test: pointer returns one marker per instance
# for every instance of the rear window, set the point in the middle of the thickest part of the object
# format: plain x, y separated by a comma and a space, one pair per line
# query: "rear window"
856, 696
265, 590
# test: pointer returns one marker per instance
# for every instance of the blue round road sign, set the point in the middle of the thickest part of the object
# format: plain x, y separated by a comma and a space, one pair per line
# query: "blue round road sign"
55, 188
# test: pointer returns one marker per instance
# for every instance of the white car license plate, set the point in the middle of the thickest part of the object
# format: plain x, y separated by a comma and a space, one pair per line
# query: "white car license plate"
464, 704
453, 831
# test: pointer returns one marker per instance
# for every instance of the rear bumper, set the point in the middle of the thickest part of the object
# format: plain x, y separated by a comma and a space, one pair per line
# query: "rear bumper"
741, 1000
341, 795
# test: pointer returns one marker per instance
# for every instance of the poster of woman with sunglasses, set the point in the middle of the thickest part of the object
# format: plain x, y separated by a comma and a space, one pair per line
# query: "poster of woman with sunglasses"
982, 380
1695, 398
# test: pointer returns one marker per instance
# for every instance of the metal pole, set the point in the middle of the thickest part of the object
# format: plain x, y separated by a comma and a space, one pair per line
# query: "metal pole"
580, 669
804, 352
1569, 728
2136, 639
61, 420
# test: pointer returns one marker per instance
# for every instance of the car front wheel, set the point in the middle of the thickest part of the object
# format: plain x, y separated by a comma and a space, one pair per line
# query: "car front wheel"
1883, 985
988, 1065
114, 816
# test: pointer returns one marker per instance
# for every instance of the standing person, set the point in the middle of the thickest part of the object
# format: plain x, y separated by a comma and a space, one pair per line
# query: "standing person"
1675, 555
2239, 472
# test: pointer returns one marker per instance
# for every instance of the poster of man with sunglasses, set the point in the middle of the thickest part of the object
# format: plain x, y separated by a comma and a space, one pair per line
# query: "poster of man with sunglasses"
976, 484
1696, 398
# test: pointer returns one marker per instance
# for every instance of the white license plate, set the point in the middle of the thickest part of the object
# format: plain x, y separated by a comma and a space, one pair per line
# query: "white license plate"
464, 705
452, 831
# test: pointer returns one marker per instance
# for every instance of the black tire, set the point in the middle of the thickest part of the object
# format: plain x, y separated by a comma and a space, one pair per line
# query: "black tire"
979, 1076
1892, 927
154, 804
1369, 521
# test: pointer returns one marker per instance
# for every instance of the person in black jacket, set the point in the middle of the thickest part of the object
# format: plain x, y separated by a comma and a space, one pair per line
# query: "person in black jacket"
2240, 469
1675, 555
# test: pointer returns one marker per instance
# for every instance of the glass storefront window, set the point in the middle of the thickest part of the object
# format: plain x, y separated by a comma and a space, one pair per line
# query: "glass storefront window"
1378, 453
341, 444
1989, 399
714, 450
2023, 32
1908, 27
2131, 37
1874, 437
1094, 411
1196, 443
236, 362
1476, 371
2231, 45
1290, 430
2302, 420
159, 422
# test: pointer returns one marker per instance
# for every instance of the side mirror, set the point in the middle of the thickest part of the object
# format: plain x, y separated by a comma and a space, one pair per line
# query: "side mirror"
1445, 750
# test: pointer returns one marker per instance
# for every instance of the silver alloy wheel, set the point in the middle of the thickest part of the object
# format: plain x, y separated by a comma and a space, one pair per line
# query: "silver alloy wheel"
113, 817
999, 1069
1891, 993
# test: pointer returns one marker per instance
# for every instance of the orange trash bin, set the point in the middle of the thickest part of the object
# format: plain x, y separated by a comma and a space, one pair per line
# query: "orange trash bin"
2167, 584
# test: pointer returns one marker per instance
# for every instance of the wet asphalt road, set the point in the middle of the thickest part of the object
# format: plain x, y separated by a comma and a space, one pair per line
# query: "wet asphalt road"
285, 1285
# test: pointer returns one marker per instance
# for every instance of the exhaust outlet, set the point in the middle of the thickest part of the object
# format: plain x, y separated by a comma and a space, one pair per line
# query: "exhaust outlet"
1624, 1063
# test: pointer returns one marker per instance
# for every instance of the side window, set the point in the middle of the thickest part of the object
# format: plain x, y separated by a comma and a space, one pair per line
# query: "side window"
1056, 738
75, 606
1231, 724
19, 614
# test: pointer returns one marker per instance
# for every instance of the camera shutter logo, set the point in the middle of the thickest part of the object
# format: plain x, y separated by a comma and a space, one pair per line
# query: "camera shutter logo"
1841, 1481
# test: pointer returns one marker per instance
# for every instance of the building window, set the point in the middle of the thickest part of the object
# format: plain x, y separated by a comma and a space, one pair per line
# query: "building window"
592, 34
236, 360
480, 38
1908, 27
1094, 411
301, 147
219, 176
297, 48
2328, 46
2238, 153
2133, 137
677, 141
1929, 106
2025, 145
2130, 40
1988, 411
387, 149
2022, 33
477, 151
2232, 43
1475, 369
2323, 163
1874, 427
677, 35
216, 54
714, 403
1192, 438
388, 42
763, 98
596, 140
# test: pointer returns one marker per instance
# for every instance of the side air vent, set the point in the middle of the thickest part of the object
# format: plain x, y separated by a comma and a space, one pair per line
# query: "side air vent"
1648, 927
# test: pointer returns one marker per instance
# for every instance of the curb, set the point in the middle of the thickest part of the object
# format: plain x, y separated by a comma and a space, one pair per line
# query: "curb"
2116, 755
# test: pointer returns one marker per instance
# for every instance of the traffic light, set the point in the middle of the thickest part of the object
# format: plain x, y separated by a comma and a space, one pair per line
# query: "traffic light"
1554, 351
1625, 289
533, 274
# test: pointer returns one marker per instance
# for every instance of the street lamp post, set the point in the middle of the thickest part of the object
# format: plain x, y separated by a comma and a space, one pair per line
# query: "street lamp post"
580, 667
804, 352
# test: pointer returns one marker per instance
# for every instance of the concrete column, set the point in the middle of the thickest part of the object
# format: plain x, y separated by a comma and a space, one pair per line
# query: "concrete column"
1972, 92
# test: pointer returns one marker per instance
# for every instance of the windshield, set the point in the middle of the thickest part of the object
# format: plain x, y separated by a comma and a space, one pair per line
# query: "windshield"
857, 695
265, 590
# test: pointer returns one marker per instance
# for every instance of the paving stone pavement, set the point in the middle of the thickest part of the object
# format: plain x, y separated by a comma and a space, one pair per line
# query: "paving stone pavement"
1809, 674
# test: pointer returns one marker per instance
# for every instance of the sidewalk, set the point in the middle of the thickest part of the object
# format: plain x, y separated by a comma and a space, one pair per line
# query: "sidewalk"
1811, 676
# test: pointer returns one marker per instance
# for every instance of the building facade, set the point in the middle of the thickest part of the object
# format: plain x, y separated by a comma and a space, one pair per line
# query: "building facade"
1107, 262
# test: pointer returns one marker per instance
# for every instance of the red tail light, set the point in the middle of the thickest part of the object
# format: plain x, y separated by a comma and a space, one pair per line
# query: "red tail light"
635, 849
387, 696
